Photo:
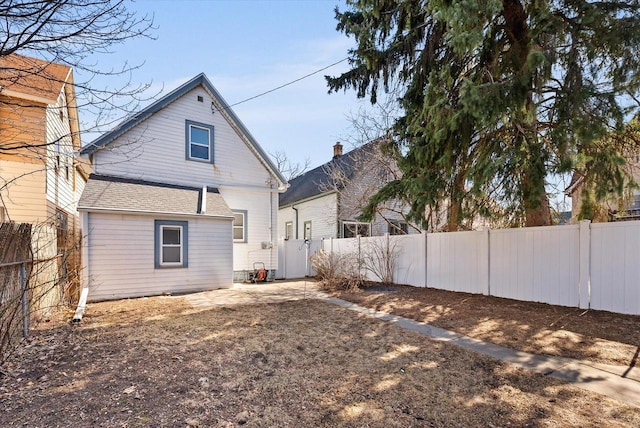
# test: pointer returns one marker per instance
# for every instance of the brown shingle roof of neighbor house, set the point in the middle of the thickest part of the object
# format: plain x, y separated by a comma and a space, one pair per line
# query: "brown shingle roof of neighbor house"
106, 193
31, 76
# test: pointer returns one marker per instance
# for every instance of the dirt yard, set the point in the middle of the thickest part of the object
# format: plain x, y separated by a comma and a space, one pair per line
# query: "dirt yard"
158, 362
597, 336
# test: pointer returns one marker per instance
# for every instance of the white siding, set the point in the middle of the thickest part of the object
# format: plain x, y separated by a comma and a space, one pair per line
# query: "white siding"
260, 223
22, 186
60, 178
155, 149
322, 212
121, 257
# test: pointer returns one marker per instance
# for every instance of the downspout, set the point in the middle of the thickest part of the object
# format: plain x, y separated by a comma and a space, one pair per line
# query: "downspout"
271, 225
84, 275
203, 201
296, 210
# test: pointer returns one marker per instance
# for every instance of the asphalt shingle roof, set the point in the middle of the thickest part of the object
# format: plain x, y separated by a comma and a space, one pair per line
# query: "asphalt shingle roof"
122, 194
321, 179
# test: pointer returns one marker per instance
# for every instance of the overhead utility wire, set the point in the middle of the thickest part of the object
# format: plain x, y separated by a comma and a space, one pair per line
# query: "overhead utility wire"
289, 83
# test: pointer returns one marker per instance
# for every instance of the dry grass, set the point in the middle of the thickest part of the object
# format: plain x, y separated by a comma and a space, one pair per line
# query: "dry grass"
157, 362
597, 336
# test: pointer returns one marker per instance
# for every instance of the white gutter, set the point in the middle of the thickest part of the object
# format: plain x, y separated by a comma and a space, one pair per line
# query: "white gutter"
143, 212
250, 187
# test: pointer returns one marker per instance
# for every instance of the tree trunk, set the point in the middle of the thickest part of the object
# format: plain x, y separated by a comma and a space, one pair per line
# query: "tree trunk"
539, 216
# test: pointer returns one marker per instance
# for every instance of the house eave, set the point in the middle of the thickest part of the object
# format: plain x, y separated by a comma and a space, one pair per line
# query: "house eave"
151, 213
308, 199
28, 97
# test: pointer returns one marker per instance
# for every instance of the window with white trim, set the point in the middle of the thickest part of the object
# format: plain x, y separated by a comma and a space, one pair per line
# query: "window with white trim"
171, 240
288, 230
351, 229
199, 141
239, 226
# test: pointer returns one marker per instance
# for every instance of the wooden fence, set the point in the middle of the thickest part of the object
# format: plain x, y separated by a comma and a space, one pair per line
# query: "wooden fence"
31, 278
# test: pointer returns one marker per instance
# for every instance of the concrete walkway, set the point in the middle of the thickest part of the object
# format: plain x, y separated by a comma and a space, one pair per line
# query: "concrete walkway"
618, 382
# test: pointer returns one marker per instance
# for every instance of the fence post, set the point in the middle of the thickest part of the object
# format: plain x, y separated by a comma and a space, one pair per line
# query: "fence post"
584, 285
25, 301
424, 258
359, 259
488, 233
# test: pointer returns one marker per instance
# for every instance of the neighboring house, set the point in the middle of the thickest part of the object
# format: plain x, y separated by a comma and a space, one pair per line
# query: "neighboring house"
183, 199
327, 201
613, 209
40, 180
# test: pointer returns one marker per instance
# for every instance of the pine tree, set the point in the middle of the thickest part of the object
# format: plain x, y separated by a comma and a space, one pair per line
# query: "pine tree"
497, 96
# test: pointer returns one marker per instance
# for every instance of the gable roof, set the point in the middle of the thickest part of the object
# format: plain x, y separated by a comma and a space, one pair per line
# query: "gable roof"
321, 180
224, 109
32, 78
105, 193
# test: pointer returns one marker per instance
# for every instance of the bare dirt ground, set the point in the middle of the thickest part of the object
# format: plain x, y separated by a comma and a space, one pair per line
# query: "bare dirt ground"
157, 362
597, 336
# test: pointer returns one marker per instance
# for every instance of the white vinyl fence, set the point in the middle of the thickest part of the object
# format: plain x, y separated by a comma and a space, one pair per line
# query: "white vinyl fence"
615, 267
584, 265
294, 258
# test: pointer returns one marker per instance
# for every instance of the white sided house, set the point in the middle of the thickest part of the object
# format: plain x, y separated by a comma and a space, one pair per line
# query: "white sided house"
183, 199
327, 201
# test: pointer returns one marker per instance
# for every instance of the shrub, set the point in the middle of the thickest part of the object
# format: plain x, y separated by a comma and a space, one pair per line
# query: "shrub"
337, 271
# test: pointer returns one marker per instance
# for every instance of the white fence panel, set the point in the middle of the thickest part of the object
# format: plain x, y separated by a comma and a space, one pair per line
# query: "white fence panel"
615, 267
342, 246
410, 266
458, 261
372, 251
293, 258
539, 264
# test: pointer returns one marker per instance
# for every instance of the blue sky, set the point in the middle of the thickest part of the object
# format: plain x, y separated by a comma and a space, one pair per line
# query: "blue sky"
247, 47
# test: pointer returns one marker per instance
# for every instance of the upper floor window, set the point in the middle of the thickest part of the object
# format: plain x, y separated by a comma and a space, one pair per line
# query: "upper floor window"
199, 141
239, 226
57, 151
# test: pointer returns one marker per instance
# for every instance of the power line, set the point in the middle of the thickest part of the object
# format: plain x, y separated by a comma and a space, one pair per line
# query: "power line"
289, 83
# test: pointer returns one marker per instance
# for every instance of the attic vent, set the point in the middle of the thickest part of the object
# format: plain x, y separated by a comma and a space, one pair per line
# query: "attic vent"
200, 99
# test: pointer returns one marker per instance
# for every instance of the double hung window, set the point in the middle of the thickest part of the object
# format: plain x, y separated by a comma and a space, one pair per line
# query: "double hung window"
199, 140
171, 238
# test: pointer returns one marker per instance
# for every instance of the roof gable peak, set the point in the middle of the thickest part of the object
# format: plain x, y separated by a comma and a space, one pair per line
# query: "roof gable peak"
219, 104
